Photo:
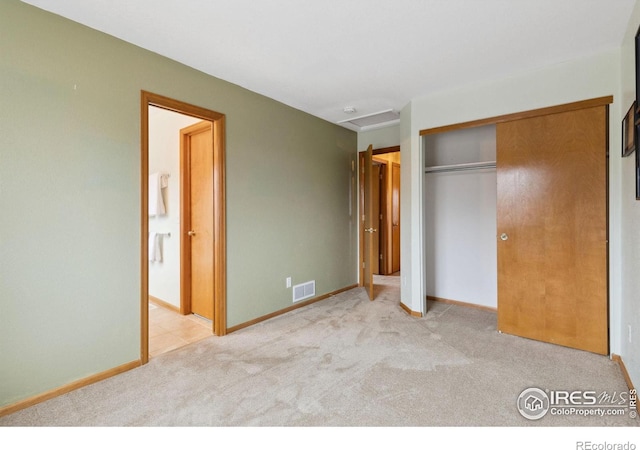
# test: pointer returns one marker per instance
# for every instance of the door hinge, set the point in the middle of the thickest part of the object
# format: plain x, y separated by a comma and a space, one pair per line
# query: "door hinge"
363, 265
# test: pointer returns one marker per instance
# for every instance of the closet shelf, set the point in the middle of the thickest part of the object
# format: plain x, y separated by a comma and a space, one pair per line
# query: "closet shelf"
465, 166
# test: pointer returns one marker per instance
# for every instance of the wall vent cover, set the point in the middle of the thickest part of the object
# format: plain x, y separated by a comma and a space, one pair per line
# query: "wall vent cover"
304, 291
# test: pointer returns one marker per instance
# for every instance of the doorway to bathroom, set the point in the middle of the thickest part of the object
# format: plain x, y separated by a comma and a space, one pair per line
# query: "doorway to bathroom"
183, 207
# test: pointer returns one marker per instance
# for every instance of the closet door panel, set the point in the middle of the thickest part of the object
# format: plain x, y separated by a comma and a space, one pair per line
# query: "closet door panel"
552, 228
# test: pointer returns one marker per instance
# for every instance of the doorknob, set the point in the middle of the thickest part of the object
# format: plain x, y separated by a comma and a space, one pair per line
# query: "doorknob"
370, 230
191, 233
504, 236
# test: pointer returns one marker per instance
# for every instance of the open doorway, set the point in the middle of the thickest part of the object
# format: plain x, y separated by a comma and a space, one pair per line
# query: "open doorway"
385, 213
169, 326
174, 155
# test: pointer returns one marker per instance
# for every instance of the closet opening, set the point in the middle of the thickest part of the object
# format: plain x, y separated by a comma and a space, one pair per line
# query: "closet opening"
460, 216
539, 226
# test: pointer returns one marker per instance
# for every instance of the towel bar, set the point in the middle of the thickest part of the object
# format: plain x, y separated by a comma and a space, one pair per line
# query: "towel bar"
164, 234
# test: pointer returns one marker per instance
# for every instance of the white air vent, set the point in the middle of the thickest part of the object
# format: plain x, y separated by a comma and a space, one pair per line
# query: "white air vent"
304, 290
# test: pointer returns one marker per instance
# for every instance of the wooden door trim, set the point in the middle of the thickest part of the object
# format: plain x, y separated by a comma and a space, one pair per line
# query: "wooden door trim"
384, 150
385, 228
219, 215
376, 211
390, 221
600, 101
385, 220
361, 218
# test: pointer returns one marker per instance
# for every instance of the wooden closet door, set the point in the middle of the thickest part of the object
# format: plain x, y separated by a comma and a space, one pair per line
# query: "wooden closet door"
552, 228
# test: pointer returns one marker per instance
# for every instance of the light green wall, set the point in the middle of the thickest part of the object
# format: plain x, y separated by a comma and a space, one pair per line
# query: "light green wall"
70, 198
630, 212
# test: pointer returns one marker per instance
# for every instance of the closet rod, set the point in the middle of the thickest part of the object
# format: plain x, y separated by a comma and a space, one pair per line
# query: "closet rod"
457, 167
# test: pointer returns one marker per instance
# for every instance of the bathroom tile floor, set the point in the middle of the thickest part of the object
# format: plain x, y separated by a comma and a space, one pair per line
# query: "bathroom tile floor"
169, 330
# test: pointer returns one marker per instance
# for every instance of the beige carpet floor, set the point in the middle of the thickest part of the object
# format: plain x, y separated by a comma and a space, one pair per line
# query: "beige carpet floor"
345, 362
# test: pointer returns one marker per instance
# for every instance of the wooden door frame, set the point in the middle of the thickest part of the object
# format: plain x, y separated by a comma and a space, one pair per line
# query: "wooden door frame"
386, 211
599, 101
361, 218
391, 245
383, 226
219, 324
376, 196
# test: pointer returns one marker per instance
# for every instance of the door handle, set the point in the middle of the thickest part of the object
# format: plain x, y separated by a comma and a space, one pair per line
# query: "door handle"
191, 233
504, 236
370, 230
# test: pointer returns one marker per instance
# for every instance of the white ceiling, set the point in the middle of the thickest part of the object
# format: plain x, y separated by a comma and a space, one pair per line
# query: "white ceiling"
322, 56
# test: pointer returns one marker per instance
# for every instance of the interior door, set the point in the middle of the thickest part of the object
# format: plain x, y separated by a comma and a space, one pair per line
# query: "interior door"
552, 228
198, 287
395, 217
369, 230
